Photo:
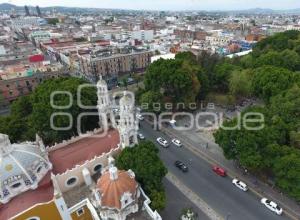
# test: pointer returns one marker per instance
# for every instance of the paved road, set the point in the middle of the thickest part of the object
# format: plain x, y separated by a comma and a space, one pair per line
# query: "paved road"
176, 201
218, 192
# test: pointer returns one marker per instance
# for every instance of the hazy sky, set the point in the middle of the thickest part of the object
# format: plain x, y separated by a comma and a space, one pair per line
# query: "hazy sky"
166, 4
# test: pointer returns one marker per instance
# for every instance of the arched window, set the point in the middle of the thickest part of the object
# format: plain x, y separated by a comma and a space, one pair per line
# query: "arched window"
97, 168
38, 170
16, 185
71, 181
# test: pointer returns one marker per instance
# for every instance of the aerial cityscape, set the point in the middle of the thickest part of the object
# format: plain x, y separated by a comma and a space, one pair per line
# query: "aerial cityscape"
149, 110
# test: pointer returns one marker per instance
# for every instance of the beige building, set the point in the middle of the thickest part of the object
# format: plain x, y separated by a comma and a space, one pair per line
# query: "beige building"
116, 64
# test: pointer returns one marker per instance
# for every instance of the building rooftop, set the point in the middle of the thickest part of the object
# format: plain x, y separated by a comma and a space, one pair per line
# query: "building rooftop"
113, 184
43, 193
81, 151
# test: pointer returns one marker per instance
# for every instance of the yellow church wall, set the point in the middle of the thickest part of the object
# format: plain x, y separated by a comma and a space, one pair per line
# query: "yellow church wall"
46, 211
85, 216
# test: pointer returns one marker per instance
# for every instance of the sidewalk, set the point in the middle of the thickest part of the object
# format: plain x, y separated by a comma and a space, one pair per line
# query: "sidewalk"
213, 154
202, 205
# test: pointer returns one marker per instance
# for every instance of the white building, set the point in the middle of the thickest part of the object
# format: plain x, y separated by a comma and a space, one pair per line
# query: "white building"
143, 35
27, 22
2, 50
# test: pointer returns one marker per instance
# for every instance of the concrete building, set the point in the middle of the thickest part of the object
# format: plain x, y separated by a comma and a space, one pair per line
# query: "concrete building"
143, 35
23, 22
114, 65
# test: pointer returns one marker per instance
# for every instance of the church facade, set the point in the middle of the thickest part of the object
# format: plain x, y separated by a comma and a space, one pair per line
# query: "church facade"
75, 179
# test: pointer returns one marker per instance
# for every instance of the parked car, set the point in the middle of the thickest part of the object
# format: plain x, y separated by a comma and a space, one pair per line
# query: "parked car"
140, 117
271, 205
162, 142
177, 142
220, 171
181, 166
239, 184
141, 136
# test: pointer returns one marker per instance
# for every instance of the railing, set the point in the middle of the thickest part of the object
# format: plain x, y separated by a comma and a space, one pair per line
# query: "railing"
153, 214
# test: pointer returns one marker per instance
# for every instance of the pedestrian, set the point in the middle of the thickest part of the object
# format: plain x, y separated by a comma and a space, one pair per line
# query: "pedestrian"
206, 146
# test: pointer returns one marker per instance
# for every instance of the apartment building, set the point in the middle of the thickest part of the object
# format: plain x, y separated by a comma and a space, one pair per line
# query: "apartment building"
110, 66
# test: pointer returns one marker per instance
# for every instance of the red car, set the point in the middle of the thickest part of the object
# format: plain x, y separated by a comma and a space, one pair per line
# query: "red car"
220, 171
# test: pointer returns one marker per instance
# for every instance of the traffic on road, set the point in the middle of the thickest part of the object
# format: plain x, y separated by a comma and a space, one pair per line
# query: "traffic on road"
225, 195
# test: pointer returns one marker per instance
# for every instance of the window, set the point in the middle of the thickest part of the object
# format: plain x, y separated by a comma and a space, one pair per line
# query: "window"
33, 218
72, 181
39, 169
80, 212
97, 168
16, 185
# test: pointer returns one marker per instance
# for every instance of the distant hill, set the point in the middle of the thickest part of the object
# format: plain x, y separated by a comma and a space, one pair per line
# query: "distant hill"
7, 7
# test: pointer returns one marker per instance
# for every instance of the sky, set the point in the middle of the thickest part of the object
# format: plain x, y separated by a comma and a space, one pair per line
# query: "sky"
165, 4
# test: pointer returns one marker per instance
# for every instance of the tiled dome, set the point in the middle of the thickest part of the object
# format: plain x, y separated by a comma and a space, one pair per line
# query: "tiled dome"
22, 166
113, 185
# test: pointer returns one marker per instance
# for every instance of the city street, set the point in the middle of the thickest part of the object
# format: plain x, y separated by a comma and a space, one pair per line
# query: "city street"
176, 201
218, 192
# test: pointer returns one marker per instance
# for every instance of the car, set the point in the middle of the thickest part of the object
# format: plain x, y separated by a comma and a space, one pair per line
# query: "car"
272, 206
140, 117
239, 184
141, 136
116, 110
162, 142
220, 171
177, 142
181, 166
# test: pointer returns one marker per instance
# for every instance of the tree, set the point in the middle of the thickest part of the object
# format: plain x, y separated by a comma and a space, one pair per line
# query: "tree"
144, 161
31, 114
271, 151
269, 81
53, 21
278, 42
187, 56
222, 75
175, 79
240, 83
150, 101
287, 172
288, 59
125, 83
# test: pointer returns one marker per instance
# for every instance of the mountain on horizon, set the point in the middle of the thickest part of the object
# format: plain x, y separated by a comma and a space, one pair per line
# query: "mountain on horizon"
8, 6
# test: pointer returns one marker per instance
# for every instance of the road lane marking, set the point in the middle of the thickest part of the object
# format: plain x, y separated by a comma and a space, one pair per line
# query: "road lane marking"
192, 196
290, 213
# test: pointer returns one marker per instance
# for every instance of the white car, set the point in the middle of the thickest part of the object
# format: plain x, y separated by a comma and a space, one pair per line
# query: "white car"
140, 117
271, 205
162, 142
116, 110
177, 142
239, 184
141, 136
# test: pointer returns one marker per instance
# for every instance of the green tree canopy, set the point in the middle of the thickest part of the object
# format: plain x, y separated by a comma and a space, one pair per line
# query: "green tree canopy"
31, 114
144, 161
177, 80
222, 76
269, 81
240, 83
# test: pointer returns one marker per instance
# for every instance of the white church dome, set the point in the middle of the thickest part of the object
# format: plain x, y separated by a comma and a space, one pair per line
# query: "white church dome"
22, 166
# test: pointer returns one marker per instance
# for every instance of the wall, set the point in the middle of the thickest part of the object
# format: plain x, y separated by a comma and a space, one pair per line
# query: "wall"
77, 171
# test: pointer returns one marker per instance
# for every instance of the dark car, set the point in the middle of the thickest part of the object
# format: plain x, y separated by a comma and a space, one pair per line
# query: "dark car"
181, 166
